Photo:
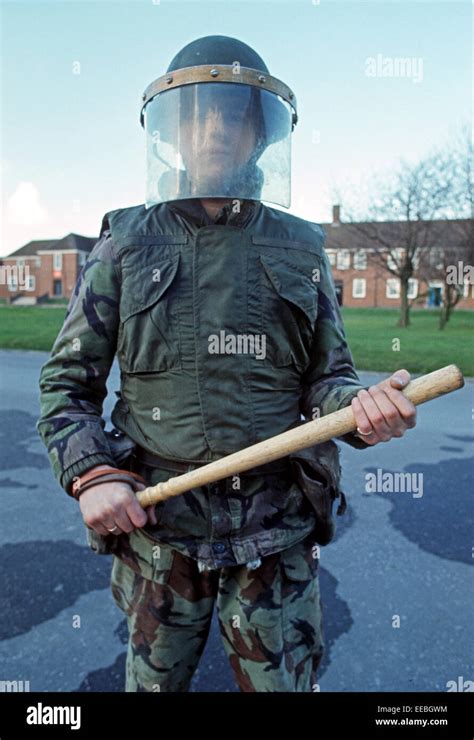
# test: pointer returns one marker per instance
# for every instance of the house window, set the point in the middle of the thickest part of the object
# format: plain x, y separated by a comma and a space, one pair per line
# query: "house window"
412, 288
30, 282
393, 288
12, 282
360, 260
395, 261
331, 256
436, 257
82, 258
38, 262
358, 288
467, 284
57, 261
343, 259
57, 287
20, 263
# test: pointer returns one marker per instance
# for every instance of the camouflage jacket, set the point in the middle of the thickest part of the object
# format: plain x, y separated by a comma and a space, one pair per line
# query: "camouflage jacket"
226, 332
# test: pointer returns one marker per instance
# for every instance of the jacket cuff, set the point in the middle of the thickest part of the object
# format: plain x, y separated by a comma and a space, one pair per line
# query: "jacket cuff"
82, 466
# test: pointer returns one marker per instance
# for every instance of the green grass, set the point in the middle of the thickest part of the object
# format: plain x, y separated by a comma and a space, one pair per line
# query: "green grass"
30, 327
370, 334
56, 302
423, 347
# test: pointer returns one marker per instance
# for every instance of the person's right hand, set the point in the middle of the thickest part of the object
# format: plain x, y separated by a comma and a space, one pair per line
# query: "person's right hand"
114, 504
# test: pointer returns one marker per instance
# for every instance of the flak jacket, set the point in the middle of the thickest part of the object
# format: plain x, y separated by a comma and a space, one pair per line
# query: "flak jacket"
226, 332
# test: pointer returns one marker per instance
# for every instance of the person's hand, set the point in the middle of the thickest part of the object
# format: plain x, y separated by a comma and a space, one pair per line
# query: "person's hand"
383, 411
114, 504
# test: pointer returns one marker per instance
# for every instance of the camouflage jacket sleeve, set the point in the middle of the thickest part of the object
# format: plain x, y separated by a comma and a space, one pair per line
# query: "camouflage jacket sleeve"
73, 379
330, 381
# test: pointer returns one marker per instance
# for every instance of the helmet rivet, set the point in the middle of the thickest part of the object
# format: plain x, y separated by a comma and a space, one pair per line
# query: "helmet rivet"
291, 96
262, 78
169, 79
214, 72
144, 96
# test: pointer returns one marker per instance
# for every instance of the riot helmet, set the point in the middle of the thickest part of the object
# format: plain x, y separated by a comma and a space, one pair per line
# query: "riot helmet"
218, 125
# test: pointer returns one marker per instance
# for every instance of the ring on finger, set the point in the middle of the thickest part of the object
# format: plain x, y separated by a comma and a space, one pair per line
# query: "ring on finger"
364, 434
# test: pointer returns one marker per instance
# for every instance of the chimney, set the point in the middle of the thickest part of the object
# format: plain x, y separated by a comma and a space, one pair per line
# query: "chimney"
336, 215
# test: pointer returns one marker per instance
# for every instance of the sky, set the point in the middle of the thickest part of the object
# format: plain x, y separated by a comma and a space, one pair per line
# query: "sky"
72, 75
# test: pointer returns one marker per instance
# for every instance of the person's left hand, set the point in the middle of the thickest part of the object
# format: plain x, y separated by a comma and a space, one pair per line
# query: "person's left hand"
384, 411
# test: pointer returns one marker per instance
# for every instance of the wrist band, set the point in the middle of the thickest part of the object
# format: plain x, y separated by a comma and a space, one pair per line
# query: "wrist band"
94, 477
108, 478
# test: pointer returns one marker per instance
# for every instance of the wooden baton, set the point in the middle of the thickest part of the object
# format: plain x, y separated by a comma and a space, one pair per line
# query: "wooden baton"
425, 388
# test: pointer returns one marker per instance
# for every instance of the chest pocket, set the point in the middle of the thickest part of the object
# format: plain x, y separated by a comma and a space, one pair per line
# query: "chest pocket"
149, 335
289, 304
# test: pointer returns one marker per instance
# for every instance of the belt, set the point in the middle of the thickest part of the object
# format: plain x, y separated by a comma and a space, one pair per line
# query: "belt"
144, 457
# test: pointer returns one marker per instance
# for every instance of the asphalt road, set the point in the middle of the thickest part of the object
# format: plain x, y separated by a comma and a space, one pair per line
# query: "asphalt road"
398, 600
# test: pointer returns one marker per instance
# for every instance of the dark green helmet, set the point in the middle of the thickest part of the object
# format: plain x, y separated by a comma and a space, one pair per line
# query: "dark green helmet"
217, 50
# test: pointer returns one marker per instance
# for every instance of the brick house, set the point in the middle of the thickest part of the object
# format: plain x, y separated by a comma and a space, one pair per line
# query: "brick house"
358, 262
44, 269
52, 266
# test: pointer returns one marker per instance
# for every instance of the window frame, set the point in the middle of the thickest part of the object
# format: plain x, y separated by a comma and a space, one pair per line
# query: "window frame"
339, 255
387, 291
358, 253
363, 282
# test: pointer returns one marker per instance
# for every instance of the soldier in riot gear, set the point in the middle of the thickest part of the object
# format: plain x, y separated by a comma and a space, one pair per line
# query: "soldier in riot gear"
201, 255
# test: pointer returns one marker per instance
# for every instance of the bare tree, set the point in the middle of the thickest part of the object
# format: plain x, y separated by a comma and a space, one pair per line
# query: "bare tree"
400, 223
451, 264
458, 263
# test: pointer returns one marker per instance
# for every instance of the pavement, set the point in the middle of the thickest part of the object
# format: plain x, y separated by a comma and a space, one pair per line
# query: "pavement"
396, 586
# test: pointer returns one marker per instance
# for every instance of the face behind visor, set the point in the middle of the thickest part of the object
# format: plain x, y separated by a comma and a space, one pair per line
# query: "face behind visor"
209, 140
218, 131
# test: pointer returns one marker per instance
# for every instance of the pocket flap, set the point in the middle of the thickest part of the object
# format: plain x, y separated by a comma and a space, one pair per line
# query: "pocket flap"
146, 285
292, 284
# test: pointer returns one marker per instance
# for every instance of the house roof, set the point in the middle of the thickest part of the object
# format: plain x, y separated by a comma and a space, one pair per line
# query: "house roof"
346, 235
357, 235
70, 241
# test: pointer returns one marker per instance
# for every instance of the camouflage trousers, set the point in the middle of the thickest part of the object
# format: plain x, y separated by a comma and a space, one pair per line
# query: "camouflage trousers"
270, 617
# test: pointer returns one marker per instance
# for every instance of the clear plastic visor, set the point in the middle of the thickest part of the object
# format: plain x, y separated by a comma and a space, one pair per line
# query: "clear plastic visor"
218, 140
